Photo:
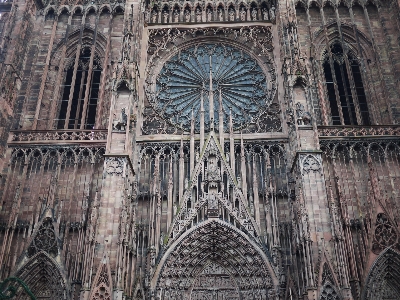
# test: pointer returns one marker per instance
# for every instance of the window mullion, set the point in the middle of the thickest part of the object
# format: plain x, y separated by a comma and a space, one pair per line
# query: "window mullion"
352, 122
353, 90
88, 87
78, 107
335, 85
71, 92
325, 103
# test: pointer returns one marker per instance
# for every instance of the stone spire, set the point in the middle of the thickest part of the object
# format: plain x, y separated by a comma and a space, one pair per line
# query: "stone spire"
211, 99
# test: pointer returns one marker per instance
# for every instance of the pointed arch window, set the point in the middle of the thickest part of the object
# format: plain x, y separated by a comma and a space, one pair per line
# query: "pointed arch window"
80, 92
345, 88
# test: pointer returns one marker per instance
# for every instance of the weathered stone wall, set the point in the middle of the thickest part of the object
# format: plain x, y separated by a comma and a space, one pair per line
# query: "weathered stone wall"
140, 206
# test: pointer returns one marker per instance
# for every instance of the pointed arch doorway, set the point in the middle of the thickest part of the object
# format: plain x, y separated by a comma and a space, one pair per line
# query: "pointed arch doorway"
383, 281
214, 260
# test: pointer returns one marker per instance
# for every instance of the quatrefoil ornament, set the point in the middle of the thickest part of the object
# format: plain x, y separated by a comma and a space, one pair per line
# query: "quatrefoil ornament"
114, 166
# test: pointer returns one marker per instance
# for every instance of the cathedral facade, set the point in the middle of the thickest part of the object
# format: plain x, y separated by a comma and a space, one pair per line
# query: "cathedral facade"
189, 149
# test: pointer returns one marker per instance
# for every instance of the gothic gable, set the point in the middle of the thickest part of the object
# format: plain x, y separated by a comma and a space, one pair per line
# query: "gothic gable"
44, 239
102, 283
213, 192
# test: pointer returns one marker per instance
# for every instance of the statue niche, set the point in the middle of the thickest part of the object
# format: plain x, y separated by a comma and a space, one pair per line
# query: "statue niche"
212, 186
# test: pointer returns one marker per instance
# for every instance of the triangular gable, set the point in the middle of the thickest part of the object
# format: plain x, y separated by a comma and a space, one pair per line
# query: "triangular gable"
45, 236
326, 270
102, 283
212, 187
138, 293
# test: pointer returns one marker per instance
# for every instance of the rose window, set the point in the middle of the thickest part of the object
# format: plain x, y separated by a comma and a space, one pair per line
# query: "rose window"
227, 80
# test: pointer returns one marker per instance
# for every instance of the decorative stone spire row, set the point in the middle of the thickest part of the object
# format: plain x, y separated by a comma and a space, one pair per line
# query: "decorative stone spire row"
221, 120
202, 119
211, 99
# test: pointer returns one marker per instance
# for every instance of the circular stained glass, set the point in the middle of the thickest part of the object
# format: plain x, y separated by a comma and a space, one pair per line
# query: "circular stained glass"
218, 74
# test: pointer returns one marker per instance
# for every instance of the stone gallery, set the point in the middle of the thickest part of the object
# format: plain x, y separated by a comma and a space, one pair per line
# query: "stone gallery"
200, 149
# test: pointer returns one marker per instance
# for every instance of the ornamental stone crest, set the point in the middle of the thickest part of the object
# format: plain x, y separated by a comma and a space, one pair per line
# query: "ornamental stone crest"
310, 164
114, 165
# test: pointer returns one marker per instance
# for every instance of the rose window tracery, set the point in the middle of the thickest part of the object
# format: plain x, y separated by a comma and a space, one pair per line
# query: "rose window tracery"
385, 234
227, 80
45, 240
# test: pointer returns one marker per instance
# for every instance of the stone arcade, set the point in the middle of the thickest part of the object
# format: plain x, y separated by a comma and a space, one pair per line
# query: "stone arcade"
200, 150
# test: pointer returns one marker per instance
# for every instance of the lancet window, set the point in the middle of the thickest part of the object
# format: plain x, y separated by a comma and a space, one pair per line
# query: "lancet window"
345, 88
80, 92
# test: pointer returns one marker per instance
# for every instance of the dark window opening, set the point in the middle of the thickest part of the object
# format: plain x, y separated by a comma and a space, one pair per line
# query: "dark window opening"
78, 102
345, 89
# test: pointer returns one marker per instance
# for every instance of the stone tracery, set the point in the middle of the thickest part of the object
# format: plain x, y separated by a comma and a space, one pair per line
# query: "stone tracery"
276, 189
41, 273
213, 197
231, 257
384, 277
186, 80
44, 240
174, 88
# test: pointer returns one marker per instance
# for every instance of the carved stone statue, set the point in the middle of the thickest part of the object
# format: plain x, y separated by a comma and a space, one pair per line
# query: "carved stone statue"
272, 13
231, 14
186, 183
126, 47
220, 15
213, 172
198, 15
212, 201
154, 17
119, 123
254, 14
165, 15
265, 14
147, 16
176, 16
303, 117
242, 14
162, 238
209, 15
187, 16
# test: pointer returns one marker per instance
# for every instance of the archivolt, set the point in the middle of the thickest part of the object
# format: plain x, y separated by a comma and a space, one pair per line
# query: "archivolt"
214, 242
383, 281
348, 38
75, 38
41, 273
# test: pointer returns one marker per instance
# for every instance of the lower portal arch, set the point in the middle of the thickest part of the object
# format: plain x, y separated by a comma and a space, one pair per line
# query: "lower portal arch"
214, 260
383, 280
